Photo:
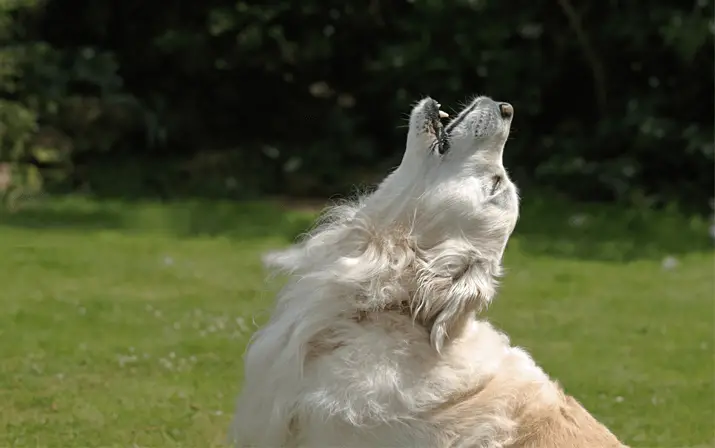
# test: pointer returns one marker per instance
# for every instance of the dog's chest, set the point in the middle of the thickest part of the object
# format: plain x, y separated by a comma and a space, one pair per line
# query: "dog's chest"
381, 381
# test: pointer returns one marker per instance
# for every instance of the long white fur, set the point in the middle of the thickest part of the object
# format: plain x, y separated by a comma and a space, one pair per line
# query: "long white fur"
429, 239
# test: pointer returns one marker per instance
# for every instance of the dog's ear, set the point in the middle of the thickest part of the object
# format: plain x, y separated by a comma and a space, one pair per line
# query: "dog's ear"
454, 283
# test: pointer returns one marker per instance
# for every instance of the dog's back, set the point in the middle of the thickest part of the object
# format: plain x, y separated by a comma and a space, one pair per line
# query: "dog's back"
565, 425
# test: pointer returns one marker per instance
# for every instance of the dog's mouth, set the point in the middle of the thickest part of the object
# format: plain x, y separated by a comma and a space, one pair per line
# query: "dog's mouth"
435, 113
482, 119
434, 116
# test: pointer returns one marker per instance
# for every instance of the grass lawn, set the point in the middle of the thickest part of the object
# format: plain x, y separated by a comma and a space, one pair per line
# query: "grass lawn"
123, 324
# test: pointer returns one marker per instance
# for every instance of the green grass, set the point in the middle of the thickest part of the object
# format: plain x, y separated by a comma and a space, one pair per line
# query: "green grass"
123, 324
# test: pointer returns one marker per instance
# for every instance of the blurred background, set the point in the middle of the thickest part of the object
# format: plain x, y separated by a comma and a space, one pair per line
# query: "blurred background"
614, 99
151, 152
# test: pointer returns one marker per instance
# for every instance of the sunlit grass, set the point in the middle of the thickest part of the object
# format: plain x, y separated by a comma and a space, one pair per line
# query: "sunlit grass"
123, 324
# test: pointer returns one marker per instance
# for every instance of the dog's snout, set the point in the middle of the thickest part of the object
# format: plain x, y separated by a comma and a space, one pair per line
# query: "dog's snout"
506, 110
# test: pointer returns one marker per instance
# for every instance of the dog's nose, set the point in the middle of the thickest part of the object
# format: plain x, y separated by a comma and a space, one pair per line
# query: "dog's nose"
506, 110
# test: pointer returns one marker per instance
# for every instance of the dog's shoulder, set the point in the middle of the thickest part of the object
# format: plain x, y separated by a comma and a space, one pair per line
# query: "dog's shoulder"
566, 425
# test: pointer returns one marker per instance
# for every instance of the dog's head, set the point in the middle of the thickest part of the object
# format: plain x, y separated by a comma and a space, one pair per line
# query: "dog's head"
451, 179
453, 194
432, 234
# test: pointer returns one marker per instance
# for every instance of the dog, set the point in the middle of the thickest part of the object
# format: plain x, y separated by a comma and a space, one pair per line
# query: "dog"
374, 341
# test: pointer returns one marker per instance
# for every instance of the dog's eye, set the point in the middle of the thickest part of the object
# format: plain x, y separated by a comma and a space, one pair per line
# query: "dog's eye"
496, 182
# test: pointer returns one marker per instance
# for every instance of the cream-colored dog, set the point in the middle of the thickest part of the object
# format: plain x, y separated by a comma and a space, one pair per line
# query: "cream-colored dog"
374, 341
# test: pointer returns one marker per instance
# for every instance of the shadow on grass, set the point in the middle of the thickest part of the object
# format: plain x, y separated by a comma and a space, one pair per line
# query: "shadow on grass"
68, 218
546, 227
607, 232
183, 219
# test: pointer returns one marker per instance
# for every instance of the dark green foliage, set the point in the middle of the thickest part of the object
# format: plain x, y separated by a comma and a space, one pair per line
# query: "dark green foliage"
614, 100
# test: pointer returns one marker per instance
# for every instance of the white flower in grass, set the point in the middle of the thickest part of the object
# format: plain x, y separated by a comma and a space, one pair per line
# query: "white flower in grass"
124, 360
669, 263
168, 365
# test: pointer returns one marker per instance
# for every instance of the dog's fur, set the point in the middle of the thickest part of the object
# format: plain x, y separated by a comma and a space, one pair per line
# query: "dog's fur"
374, 340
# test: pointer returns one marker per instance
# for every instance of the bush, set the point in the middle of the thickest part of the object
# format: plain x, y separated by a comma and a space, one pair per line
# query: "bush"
56, 104
613, 100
